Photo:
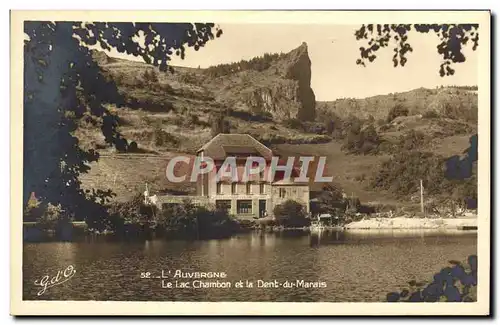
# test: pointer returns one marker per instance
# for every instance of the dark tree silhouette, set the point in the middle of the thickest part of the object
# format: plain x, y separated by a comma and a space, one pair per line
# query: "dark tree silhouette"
455, 283
62, 83
453, 38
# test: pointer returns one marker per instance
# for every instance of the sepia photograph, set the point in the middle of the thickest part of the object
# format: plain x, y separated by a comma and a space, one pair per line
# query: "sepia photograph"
329, 158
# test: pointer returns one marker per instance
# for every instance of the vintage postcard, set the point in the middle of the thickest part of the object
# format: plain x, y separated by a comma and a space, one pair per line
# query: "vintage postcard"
250, 163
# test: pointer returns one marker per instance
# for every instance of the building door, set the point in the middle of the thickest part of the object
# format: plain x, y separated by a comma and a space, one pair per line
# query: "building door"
262, 208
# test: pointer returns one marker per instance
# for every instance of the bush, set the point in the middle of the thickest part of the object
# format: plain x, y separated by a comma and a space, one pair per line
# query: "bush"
188, 219
362, 142
163, 138
150, 76
411, 140
293, 123
51, 217
397, 110
430, 114
131, 211
402, 172
316, 128
291, 214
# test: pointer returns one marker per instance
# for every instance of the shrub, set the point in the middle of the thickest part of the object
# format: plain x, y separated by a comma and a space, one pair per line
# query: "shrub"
401, 173
315, 128
53, 218
362, 142
163, 138
397, 110
131, 211
411, 140
293, 123
150, 76
190, 78
189, 219
430, 114
291, 214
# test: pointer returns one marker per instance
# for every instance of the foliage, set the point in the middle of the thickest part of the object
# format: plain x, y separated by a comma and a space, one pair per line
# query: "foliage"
189, 219
397, 110
453, 38
259, 63
150, 76
131, 211
331, 200
411, 140
401, 174
430, 114
362, 141
293, 123
291, 214
163, 138
52, 217
456, 283
61, 77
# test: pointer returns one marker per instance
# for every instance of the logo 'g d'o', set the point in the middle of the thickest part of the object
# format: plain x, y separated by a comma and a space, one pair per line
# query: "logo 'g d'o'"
48, 282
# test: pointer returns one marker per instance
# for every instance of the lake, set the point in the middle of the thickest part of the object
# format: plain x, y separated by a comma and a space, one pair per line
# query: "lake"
362, 265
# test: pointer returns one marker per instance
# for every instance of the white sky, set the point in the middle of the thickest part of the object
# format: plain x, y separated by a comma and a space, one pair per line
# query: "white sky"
334, 71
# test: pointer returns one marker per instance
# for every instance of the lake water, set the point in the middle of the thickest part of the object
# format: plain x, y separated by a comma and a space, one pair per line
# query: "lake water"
345, 266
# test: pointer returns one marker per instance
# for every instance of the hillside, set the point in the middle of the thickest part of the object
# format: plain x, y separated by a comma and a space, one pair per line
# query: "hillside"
270, 98
454, 102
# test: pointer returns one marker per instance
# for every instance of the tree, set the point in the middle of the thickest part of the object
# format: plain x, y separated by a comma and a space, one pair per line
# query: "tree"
331, 200
62, 82
397, 110
453, 38
290, 214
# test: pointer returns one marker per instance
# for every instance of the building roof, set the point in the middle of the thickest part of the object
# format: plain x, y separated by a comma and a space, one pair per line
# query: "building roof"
239, 145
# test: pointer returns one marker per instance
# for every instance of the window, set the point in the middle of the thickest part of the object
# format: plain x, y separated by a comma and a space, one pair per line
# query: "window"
223, 205
233, 188
261, 188
249, 188
282, 192
244, 206
219, 188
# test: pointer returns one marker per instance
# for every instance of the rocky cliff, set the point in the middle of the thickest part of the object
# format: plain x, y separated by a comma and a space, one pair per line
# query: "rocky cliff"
284, 90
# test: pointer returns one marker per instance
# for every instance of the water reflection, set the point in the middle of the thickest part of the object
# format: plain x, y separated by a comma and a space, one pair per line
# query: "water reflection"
355, 265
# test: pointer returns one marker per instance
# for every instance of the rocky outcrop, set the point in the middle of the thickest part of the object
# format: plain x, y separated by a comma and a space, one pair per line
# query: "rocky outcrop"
285, 89
300, 70
279, 100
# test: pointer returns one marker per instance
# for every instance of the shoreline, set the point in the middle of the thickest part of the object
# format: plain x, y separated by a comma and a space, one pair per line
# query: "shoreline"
414, 223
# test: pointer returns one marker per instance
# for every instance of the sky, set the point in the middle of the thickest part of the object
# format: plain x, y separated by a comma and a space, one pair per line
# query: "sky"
333, 50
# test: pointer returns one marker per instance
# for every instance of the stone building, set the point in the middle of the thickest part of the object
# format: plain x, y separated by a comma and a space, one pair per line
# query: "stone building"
254, 197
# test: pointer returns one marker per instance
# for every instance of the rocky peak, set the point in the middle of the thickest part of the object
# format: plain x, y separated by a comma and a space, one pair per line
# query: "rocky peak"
287, 93
299, 69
